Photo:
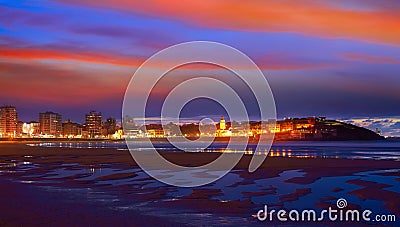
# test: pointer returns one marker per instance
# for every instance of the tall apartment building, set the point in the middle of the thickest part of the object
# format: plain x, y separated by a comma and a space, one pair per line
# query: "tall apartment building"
50, 123
8, 121
93, 124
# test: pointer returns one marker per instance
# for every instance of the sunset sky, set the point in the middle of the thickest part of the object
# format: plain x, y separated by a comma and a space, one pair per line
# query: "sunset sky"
337, 58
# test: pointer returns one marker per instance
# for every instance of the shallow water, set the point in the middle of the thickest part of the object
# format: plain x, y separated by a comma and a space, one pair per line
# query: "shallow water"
378, 150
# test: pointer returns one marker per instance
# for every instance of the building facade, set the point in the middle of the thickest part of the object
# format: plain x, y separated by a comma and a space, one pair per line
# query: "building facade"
31, 128
71, 129
222, 129
8, 121
50, 124
93, 124
110, 126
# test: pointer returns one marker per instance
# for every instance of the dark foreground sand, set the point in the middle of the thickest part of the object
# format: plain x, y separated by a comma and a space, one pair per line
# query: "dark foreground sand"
25, 204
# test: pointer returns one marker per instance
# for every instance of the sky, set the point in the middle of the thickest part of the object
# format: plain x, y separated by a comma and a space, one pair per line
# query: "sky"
339, 59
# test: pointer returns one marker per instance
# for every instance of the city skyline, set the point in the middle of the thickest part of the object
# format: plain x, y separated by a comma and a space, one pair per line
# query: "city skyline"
51, 125
93, 120
63, 56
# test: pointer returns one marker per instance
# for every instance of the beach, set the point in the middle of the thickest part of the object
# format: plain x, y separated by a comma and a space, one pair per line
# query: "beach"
90, 186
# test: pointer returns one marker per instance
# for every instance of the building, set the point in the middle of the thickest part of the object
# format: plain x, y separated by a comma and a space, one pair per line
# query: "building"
222, 131
50, 124
172, 129
304, 123
276, 128
93, 124
8, 121
222, 123
71, 130
20, 126
241, 129
128, 122
134, 133
155, 133
31, 128
153, 130
286, 125
119, 134
110, 126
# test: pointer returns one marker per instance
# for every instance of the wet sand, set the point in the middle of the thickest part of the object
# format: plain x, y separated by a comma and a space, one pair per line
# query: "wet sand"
27, 204
88, 156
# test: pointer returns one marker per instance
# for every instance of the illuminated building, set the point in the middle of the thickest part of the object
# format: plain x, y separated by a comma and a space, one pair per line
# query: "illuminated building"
208, 130
276, 128
71, 130
110, 126
131, 130
8, 121
93, 124
222, 125
304, 123
32, 128
222, 131
119, 134
240, 129
286, 125
20, 126
50, 124
155, 133
296, 126
134, 133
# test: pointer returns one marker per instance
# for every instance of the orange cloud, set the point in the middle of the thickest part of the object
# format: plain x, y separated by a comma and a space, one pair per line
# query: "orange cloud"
269, 62
58, 84
37, 53
306, 17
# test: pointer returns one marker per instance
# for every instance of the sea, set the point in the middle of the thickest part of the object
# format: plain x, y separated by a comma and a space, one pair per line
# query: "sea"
378, 150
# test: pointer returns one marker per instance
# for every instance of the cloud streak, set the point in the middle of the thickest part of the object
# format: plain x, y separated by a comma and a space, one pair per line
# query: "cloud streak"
370, 59
65, 54
317, 18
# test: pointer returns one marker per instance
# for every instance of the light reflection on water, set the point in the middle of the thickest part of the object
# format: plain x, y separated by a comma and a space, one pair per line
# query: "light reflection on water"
329, 149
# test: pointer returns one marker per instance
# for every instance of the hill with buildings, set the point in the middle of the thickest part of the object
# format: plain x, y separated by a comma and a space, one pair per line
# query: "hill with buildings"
322, 129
